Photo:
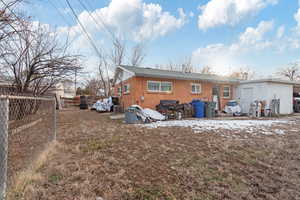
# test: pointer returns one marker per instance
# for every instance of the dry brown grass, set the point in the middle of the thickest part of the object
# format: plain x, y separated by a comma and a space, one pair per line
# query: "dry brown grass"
103, 158
23, 182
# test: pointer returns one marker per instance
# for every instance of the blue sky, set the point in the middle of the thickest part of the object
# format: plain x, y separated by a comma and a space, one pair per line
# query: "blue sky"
225, 34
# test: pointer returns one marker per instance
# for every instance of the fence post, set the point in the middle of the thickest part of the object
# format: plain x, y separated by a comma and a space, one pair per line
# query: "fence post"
4, 112
55, 126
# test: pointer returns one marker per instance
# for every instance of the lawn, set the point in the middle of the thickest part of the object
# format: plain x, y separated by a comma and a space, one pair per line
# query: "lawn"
97, 158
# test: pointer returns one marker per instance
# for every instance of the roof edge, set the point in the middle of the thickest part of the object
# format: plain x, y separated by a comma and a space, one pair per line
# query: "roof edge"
214, 77
271, 80
123, 68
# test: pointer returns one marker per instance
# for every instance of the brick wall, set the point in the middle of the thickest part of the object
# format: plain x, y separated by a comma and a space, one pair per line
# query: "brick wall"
181, 90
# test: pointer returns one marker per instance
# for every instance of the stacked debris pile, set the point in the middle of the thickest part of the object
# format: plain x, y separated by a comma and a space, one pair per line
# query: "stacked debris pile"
106, 104
233, 107
171, 109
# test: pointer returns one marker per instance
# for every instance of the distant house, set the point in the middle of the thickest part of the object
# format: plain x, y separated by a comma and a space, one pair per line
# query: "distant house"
147, 86
5, 86
65, 89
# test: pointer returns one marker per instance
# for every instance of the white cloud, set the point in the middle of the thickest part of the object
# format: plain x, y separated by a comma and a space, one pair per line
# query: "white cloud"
229, 12
297, 18
253, 35
280, 32
296, 29
191, 14
291, 41
224, 58
220, 57
158, 23
133, 19
35, 25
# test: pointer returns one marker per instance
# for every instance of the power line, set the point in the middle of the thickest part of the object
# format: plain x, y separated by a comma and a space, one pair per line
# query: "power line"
59, 12
90, 39
64, 19
84, 30
96, 22
99, 27
8, 7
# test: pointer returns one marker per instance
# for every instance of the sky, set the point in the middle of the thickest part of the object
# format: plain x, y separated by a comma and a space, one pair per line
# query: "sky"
263, 35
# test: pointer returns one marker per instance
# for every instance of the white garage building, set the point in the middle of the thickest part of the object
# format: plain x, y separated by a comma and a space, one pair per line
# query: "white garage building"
266, 90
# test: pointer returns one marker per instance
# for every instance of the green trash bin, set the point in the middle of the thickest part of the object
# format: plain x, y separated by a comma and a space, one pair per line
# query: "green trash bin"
210, 109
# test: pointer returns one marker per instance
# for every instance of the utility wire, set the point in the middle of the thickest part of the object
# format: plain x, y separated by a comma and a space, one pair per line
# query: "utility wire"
64, 19
88, 36
84, 30
7, 7
96, 22
110, 32
106, 28
59, 12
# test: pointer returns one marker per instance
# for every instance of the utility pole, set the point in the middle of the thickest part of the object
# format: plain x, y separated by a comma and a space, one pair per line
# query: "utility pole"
75, 82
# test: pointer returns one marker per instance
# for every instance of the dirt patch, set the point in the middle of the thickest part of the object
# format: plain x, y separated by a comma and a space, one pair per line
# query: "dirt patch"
104, 158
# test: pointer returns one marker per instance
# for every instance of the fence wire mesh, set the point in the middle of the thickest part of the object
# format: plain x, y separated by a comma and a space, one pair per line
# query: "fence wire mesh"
27, 125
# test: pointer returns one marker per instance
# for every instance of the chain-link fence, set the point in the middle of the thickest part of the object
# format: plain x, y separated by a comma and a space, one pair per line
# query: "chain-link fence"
27, 125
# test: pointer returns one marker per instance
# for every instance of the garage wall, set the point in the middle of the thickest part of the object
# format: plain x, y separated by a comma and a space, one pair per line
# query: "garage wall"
266, 91
285, 94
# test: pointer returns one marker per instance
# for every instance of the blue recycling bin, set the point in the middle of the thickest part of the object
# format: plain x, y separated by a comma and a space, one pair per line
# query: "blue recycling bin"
199, 108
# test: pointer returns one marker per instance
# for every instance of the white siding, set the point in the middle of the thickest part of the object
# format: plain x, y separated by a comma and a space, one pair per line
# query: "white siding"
285, 94
125, 75
266, 91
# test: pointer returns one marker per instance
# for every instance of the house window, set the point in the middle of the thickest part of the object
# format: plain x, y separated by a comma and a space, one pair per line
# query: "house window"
157, 86
119, 91
196, 88
166, 87
153, 86
126, 89
226, 91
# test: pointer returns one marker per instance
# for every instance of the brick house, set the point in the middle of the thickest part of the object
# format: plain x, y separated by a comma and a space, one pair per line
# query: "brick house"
147, 86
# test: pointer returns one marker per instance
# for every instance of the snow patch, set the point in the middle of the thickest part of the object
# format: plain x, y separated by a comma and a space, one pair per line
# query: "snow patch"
153, 114
266, 127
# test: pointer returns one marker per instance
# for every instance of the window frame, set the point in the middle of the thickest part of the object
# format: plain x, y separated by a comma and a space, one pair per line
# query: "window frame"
160, 89
229, 91
160, 86
196, 84
127, 90
153, 82
119, 91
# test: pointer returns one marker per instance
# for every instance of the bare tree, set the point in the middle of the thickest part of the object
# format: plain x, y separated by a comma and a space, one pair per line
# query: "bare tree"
105, 83
292, 71
93, 87
138, 55
8, 18
9, 22
184, 66
118, 52
116, 57
243, 73
172, 66
187, 66
36, 61
207, 70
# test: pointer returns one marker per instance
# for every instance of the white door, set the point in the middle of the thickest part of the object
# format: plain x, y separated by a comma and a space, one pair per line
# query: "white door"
246, 99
